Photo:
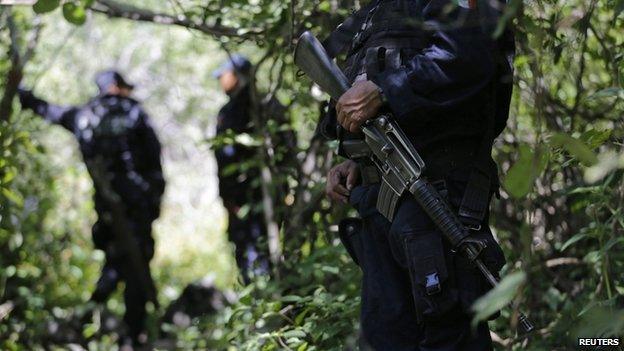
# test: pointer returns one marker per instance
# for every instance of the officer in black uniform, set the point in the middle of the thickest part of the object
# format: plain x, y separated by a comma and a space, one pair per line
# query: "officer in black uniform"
435, 66
113, 130
238, 185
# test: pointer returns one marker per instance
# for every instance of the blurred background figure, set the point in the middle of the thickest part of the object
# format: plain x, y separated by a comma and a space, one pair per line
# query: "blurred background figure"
122, 153
238, 176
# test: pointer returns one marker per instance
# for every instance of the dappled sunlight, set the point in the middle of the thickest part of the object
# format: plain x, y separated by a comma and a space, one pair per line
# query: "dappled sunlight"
248, 252
190, 238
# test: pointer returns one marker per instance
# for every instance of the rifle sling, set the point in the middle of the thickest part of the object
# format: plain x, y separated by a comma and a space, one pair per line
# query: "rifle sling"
476, 199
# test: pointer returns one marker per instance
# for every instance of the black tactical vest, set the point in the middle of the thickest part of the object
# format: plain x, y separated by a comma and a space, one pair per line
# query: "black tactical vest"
390, 33
387, 33
104, 129
380, 36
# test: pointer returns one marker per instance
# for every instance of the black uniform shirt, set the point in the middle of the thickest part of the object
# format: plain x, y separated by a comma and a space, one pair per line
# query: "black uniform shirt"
117, 131
441, 89
236, 186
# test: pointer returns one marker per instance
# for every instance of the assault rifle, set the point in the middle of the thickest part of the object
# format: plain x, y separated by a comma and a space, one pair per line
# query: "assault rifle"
397, 161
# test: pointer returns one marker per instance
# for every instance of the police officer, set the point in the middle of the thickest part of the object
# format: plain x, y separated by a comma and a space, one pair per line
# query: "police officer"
113, 130
238, 184
435, 66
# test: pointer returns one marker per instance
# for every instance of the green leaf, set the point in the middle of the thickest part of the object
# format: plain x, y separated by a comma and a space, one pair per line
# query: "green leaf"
611, 243
521, 177
498, 297
574, 239
325, 6
73, 13
593, 257
593, 304
509, 14
246, 139
584, 190
330, 269
301, 316
601, 322
594, 138
575, 147
13, 197
43, 6
90, 330
296, 333
9, 175
619, 7
608, 162
608, 92
291, 298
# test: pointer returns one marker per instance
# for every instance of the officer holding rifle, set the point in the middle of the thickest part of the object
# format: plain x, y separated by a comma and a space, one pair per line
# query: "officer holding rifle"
437, 69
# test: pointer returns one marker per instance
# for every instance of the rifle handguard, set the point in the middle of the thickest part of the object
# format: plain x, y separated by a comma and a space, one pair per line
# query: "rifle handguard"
439, 212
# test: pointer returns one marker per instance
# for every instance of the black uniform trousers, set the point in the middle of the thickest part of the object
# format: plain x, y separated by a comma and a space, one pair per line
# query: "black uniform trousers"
135, 296
402, 309
249, 238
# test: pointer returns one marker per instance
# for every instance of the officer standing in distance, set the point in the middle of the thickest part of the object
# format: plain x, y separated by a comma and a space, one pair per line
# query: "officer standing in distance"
433, 65
238, 185
114, 131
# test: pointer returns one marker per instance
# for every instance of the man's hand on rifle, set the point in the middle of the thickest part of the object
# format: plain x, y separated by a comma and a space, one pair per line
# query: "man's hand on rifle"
341, 179
358, 104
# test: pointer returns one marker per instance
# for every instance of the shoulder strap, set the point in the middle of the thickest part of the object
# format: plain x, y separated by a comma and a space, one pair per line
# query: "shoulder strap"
476, 199
341, 39
484, 176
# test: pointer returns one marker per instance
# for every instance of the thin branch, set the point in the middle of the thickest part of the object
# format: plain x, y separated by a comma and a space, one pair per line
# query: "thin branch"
282, 343
5, 309
266, 178
582, 62
499, 340
54, 57
115, 9
563, 261
292, 23
18, 60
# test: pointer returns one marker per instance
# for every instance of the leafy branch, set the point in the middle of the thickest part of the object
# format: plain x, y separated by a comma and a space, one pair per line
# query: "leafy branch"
18, 61
115, 9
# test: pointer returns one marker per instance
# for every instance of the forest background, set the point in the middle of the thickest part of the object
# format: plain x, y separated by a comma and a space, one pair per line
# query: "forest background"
560, 217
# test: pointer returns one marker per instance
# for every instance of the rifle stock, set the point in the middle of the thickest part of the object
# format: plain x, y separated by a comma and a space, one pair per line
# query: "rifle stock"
312, 59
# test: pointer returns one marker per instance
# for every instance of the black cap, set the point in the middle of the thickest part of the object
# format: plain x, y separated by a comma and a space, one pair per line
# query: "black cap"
238, 63
106, 78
